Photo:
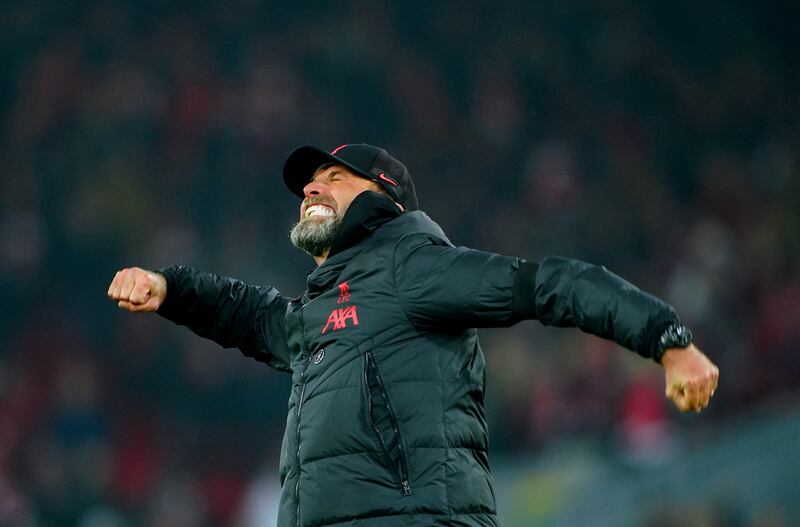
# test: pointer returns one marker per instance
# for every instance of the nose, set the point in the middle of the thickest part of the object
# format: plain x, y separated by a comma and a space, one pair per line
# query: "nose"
313, 188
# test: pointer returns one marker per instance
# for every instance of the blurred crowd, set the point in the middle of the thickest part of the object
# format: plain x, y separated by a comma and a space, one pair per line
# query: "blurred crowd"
661, 140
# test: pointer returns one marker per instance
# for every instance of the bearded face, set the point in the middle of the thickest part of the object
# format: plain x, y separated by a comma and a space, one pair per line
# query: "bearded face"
327, 197
318, 227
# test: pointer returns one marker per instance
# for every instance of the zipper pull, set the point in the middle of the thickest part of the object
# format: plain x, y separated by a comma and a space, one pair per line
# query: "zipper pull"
406, 488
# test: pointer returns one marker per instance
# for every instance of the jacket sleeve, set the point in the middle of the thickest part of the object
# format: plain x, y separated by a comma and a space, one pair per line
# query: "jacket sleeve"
570, 293
441, 285
229, 312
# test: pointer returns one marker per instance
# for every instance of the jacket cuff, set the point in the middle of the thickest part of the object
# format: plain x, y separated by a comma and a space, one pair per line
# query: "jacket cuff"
168, 308
524, 292
656, 329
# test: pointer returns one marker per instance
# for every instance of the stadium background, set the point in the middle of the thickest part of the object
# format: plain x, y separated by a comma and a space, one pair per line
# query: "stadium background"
659, 139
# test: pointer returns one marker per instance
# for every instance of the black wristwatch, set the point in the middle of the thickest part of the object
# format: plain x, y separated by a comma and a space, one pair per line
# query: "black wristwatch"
675, 336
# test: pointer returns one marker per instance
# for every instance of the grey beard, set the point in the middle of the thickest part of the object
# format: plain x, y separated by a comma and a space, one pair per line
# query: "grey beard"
315, 237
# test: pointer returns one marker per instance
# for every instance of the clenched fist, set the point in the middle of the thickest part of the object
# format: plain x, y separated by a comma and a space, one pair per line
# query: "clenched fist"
691, 378
138, 290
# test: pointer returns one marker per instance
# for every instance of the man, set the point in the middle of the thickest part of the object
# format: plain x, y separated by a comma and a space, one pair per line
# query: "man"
386, 423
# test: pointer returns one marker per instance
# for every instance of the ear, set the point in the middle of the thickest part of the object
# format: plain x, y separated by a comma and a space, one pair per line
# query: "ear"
380, 190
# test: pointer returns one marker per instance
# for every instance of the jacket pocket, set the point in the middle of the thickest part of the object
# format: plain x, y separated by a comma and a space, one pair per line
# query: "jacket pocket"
384, 424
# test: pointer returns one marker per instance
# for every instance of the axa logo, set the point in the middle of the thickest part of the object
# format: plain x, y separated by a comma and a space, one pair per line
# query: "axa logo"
344, 293
339, 317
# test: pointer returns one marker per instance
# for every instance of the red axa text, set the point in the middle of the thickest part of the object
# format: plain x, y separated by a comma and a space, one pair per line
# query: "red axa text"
339, 317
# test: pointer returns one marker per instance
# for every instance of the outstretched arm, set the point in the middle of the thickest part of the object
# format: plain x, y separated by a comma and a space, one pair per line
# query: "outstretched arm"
564, 292
444, 285
222, 309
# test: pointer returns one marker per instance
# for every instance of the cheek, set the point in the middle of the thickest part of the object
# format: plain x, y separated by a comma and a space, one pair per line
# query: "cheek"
341, 202
345, 195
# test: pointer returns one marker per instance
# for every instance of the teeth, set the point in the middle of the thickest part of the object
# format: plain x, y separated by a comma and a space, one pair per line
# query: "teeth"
318, 210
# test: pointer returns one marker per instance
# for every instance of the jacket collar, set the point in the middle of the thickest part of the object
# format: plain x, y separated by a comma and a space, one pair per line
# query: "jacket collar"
368, 211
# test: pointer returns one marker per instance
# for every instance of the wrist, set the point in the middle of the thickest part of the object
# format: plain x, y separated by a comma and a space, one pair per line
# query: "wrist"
168, 275
159, 286
673, 355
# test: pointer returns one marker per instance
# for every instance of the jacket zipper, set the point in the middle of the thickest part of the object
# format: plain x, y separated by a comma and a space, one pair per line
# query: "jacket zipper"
402, 471
297, 431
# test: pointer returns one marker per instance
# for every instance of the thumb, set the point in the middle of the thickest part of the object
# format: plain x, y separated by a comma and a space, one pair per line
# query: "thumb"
675, 393
124, 304
673, 390
150, 305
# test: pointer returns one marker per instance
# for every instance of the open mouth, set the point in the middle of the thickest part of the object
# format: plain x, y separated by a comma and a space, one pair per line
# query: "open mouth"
324, 211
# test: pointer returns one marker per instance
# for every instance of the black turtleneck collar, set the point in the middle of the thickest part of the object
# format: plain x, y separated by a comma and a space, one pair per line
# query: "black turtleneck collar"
368, 211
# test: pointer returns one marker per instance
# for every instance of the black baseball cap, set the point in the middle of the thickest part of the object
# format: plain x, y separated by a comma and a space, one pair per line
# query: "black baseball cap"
362, 159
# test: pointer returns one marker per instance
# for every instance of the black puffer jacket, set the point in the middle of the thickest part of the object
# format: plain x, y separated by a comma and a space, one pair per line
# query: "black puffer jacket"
386, 423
